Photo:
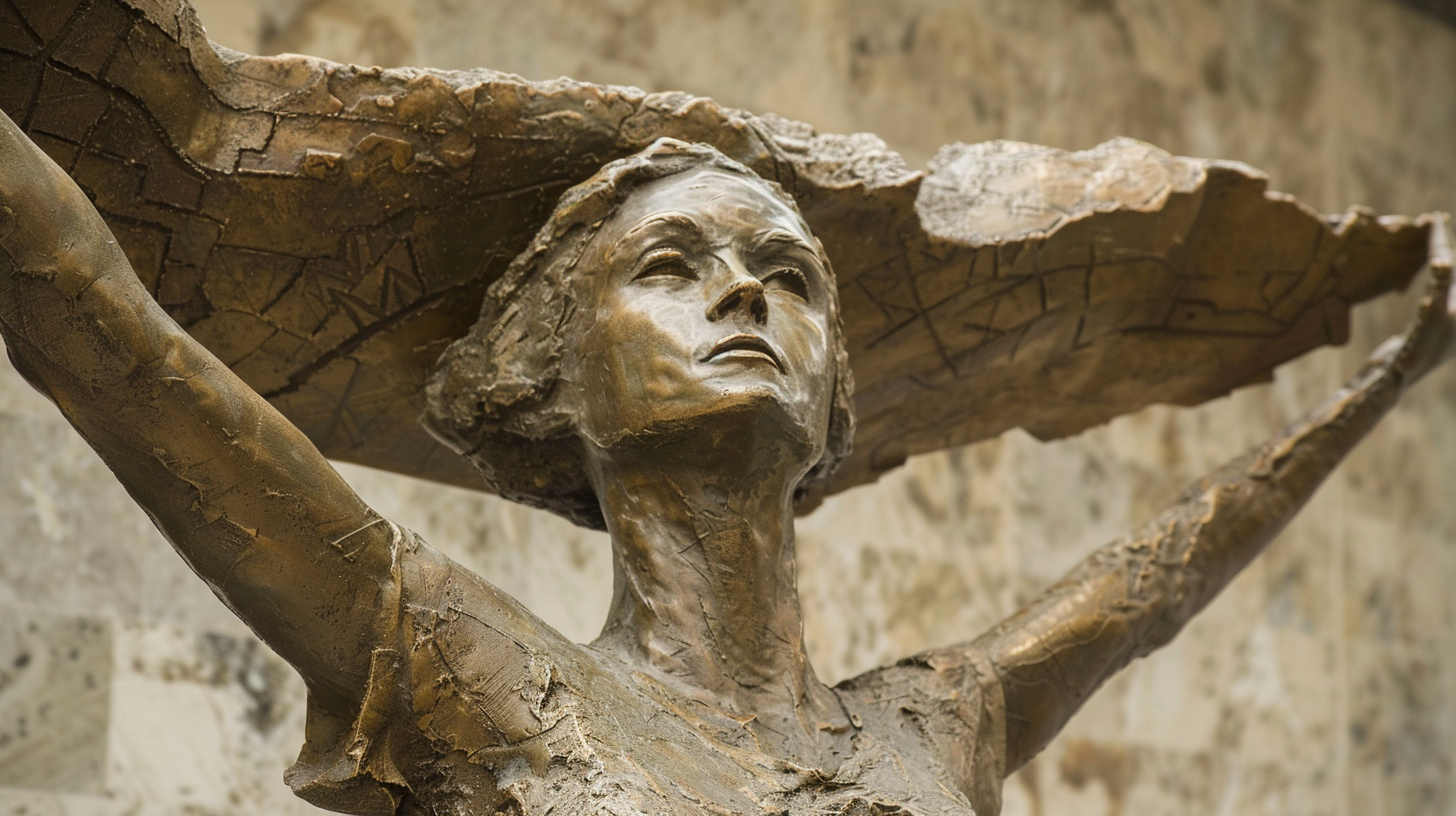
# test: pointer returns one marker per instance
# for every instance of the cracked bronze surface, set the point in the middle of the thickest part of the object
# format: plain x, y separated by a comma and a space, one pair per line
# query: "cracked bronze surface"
327, 229
433, 692
319, 263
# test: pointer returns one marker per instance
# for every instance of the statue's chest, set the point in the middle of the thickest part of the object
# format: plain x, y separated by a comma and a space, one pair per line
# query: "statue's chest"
640, 757
581, 735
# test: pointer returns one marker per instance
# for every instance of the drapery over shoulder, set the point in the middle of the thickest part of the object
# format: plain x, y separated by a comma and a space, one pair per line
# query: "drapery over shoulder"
459, 689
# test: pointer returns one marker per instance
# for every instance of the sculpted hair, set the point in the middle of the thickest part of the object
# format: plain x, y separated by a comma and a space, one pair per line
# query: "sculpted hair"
491, 395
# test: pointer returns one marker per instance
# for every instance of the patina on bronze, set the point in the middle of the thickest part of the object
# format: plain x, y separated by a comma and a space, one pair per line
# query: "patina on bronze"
669, 347
327, 230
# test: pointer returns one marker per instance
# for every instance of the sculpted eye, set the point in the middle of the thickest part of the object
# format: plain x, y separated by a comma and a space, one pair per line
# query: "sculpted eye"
788, 279
668, 263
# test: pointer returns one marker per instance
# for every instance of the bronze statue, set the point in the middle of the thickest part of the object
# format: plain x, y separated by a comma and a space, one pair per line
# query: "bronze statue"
665, 359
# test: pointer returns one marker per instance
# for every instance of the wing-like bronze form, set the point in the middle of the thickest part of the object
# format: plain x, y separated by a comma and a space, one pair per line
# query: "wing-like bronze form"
327, 229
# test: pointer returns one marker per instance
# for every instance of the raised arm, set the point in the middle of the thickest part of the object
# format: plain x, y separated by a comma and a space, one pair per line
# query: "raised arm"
245, 498
1135, 594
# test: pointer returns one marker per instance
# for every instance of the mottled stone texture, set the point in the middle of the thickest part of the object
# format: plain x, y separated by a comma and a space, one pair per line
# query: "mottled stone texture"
1322, 682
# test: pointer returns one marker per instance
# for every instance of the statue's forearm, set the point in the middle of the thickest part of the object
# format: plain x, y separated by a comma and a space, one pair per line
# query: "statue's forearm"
61, 275
1175, 565
1135, 594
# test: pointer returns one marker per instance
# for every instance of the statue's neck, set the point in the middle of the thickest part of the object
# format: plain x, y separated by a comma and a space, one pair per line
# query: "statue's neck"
706, 597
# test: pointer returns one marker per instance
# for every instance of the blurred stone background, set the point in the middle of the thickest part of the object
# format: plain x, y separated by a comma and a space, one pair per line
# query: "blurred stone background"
1322, 682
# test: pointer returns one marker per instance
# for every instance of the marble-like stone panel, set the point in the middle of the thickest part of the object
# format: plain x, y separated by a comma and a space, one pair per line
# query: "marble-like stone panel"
71, 539
203, 723
55, 700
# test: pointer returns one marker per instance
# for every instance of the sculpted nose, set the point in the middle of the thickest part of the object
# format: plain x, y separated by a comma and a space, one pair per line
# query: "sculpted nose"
744, 295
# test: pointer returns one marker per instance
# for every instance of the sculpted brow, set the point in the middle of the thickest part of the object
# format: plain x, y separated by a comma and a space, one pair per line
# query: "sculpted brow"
676, 223
776, 237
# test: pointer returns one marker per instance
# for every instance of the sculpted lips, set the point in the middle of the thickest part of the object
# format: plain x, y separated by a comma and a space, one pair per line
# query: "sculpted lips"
746, 345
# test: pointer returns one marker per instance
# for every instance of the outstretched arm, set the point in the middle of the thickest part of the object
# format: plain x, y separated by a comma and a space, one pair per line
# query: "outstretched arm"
1134, 595
245, 498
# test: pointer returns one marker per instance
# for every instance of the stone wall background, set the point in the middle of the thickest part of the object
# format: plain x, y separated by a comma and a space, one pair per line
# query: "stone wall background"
1323, 681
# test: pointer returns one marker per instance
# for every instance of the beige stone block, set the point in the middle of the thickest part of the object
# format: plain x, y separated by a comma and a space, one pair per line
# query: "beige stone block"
55, 700
20, 802
204, 723
71, 539
17, 397
1401, 743
914, 562
368, 32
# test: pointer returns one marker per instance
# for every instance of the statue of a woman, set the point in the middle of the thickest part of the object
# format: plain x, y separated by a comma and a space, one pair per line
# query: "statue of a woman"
664, 360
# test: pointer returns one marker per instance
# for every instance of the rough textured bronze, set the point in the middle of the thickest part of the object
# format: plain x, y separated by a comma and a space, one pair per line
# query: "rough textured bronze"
697, 365
665, 358
327, 229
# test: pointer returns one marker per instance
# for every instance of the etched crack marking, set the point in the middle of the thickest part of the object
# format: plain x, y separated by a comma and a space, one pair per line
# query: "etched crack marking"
348, 347
452, 676
29, 29
67, 94
43, 57
343, 413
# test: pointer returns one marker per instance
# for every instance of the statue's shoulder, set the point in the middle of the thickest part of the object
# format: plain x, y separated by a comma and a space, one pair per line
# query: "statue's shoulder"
946, 705
481, 666
460, 671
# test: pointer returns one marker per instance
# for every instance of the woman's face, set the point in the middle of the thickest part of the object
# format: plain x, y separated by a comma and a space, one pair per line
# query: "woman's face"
704, 297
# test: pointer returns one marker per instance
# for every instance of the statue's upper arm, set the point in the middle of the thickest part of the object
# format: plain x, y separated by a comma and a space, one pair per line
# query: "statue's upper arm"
247, 500
245, 497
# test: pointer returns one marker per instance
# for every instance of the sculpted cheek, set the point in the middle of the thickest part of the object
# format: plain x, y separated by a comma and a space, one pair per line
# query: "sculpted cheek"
638, 371
808, 349
664, 381
810, 346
